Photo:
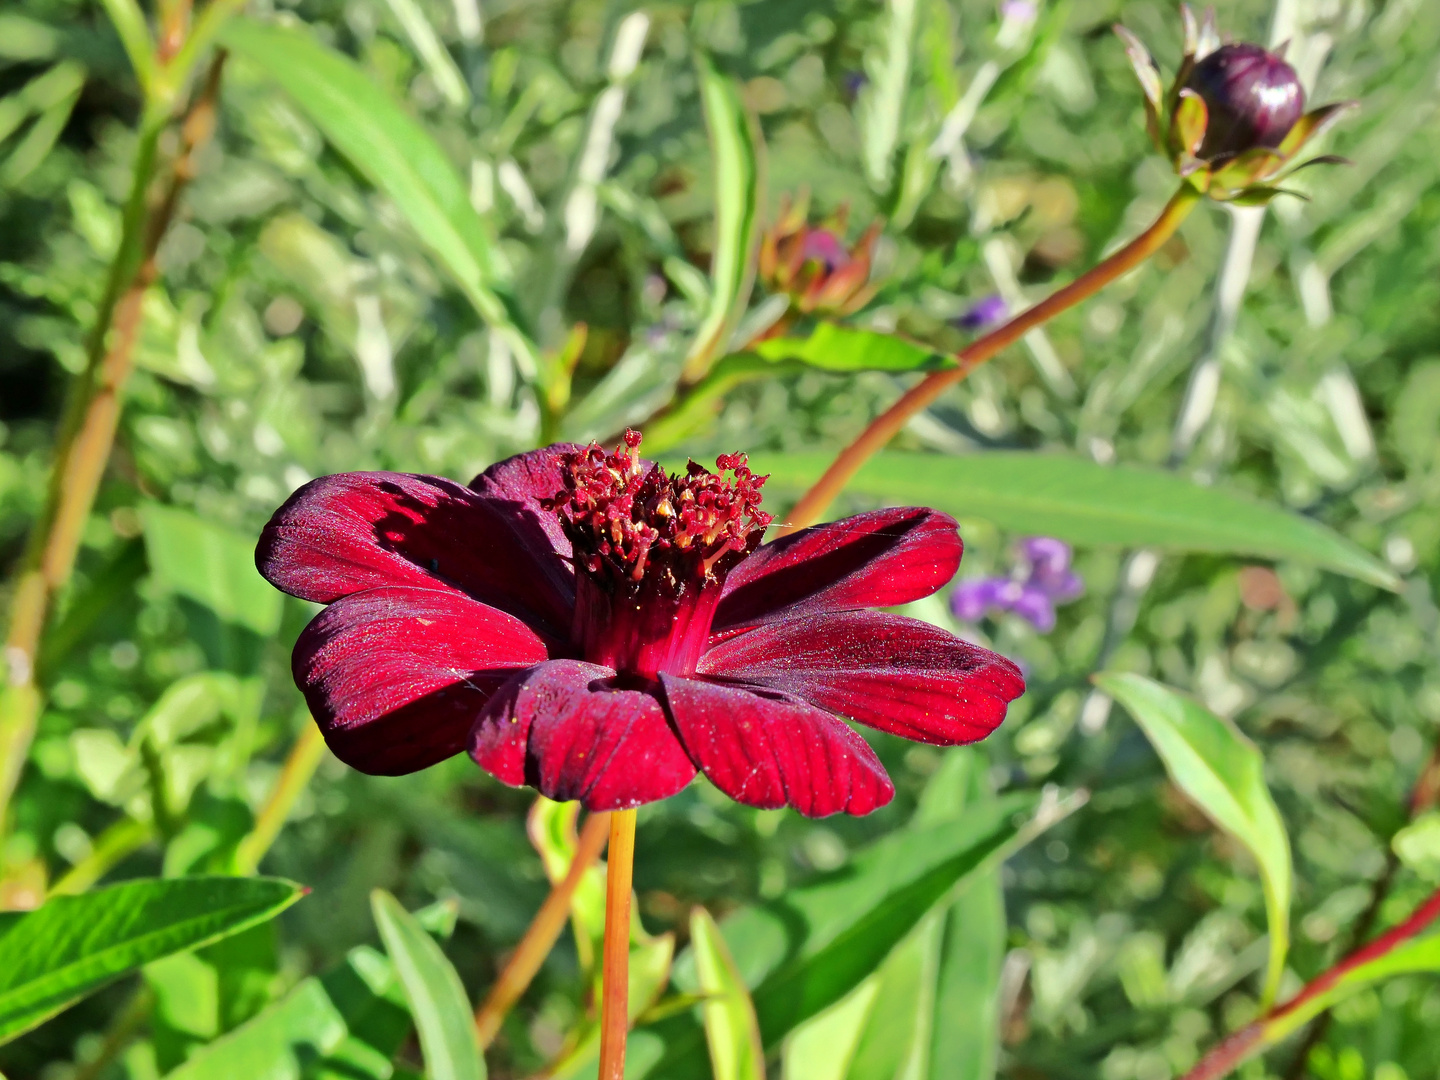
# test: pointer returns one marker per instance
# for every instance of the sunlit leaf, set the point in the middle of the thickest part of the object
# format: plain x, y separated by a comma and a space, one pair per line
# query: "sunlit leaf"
1083, 502
1224, 772
73, 945
728, 1013
832, 347
737, 202
437, 997
346, 1023
211, 565
394, 152
804, 952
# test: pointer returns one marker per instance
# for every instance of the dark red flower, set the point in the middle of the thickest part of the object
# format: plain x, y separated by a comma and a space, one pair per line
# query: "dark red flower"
589, 626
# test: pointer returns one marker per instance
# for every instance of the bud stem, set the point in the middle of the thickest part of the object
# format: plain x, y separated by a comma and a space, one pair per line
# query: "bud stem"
615, 994
889, 423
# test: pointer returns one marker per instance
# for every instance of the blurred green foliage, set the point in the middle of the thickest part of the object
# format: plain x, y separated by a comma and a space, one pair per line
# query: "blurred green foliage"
303, 326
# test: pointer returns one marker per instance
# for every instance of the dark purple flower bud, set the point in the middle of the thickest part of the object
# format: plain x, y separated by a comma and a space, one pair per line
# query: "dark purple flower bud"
1253, 97
982, 313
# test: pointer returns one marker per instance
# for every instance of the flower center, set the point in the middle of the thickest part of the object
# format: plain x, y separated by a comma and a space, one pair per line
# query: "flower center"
652, 552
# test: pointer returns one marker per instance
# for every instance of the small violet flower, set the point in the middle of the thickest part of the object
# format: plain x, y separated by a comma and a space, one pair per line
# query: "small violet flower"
1043, 580
587, 625
983, 313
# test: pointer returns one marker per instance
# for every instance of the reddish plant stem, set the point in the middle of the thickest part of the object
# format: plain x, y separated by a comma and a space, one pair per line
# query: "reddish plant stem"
889, 423
542, 933
1423, 797
88, 431
615, 993
1255, 1037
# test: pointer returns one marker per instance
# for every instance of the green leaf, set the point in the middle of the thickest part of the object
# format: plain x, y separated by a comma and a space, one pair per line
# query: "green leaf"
737, 201
437, 998
832, 347
347, 1023
729, 1015
211, 565
1086, 503
394, 152
1224, 773
808, 949
73, 945
436, 58
1417, 846
882, 102
552, 829
134, 34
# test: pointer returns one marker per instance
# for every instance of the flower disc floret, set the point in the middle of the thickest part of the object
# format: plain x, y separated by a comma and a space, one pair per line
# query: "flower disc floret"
626, 520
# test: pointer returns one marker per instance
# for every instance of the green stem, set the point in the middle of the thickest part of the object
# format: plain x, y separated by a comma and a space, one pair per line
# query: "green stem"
91, 418
889, 423
111, 847
300, 765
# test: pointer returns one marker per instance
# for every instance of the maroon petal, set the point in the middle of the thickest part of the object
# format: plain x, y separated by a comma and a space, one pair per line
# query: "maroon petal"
396, 676
566, 730
342, 534
526, 479
768, 752
896, 674
879, 559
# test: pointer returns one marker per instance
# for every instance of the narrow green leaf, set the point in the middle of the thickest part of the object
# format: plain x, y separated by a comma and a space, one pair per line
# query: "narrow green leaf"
832, 347
729, 1015
348, 1023
134, 34
1211, 761
394, 152
882, 103
437, 998
437, 60
211, 565
552, 829
1086, 503
32, 150
73, 945
737, 202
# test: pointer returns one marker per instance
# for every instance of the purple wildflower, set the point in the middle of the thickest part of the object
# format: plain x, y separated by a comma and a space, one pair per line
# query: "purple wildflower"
1041, 580
985, 312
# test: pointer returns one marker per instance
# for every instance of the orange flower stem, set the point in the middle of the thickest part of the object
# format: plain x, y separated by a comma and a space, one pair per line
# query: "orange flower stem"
615, 995
889, 423
543, 932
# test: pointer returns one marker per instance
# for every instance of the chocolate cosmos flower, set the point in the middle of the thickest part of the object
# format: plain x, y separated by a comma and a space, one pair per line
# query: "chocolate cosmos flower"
589, 626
